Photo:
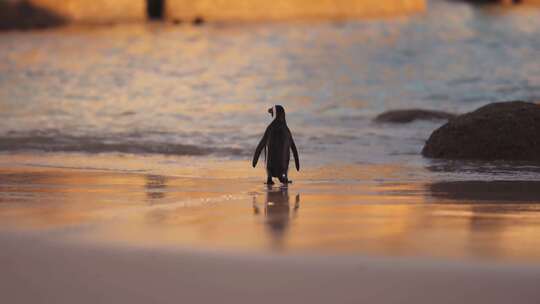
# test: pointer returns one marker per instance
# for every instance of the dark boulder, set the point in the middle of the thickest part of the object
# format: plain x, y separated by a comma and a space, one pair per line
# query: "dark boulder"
498, 131
410, 115
24, 15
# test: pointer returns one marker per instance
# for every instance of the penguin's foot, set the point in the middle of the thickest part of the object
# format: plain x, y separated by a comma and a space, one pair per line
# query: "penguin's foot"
269, 181
285, 181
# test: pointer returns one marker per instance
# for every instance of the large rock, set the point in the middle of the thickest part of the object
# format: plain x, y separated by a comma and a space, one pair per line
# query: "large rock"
95, 11
24, 15
498, 131
410, 115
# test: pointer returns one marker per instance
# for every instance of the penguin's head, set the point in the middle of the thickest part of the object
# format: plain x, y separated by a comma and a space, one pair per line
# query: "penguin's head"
277, 111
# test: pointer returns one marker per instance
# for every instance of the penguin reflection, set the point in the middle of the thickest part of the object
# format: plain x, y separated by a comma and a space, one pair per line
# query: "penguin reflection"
155, 187
277, 212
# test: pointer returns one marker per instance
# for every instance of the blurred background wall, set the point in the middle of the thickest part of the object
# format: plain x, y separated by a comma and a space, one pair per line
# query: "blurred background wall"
254, 10
103, 11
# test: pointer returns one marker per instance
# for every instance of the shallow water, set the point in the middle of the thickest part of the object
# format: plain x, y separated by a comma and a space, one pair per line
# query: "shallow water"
141, 134
217, 206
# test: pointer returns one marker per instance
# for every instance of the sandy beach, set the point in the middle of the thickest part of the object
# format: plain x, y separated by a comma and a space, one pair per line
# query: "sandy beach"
90, 235
39, 269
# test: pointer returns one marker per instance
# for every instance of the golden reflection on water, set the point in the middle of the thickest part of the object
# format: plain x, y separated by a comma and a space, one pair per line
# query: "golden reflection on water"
311, 215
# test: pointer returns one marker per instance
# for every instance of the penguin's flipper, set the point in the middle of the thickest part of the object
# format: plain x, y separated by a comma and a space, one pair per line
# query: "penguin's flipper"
259, 148
295, 154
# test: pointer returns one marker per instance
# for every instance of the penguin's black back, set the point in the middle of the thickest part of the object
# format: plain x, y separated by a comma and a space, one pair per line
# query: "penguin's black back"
278, 149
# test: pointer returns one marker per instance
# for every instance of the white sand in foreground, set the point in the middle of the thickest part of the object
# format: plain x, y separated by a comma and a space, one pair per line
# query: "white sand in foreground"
37, 270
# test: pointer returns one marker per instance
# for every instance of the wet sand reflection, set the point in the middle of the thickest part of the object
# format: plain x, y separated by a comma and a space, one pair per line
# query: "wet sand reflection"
487, 191
277, 212
500, 213
155, 186
441, 219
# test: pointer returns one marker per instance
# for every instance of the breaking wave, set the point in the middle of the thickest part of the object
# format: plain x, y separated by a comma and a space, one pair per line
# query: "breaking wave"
90, 144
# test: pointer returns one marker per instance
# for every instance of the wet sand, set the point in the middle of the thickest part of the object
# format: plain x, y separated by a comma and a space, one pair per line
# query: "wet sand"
223, 205
160, 229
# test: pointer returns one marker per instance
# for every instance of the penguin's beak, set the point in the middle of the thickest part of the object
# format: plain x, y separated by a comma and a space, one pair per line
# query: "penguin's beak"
271, 111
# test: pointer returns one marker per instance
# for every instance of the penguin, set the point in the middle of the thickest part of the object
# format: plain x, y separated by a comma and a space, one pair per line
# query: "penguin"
278, 142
